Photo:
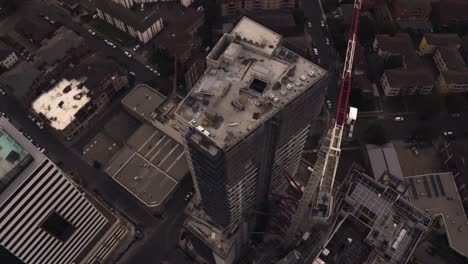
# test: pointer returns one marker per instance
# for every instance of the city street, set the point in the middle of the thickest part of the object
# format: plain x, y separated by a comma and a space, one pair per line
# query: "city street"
403, 129
96, 42
327, 54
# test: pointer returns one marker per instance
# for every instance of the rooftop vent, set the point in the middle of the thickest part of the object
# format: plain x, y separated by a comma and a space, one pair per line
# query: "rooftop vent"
238, 105
67, 89
258, 85
276, 86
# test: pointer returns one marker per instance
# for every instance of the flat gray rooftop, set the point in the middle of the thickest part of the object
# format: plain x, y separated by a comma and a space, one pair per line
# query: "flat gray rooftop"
437, 194
143, 100
149, 166
249, 78
384, 159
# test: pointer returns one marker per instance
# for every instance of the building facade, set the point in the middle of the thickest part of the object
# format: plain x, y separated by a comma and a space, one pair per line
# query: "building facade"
245, 123
140, 26
237, 7
8, 59
453, 73
407, 74
432, 41
44, 216
402, 82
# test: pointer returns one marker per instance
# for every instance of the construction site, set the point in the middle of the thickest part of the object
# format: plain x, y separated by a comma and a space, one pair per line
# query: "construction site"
246, 123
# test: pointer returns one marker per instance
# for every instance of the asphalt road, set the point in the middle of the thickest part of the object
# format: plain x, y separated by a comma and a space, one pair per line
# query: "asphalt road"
326, 53
404, 129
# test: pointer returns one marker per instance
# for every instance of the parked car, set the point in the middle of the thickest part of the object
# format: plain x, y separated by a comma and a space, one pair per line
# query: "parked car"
40, 125
316, 52
2, 92
329, 104
399, 118
449, 134
327, 40
90, 31
137, 47
322, 23
309, 25
132, 74
128, 54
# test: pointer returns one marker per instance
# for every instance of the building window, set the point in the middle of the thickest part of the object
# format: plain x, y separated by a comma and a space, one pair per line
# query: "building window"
57, 226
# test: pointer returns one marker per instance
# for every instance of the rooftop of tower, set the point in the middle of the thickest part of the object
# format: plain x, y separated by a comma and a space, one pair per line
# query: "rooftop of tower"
250, 77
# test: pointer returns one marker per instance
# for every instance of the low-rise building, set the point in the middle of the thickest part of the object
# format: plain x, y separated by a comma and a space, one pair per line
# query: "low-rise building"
82, 94
142, 25
453, 73
396, 82
452, 13
70, 6
8, 57
238, 7
431, 41
412, 76
411, 13
35, 31
146, 158
437, 195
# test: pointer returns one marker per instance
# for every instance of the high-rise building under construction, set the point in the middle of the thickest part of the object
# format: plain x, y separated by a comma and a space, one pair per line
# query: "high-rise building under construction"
245, 123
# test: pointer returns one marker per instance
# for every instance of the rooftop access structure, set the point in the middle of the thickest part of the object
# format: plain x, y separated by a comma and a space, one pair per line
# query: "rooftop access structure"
318, 191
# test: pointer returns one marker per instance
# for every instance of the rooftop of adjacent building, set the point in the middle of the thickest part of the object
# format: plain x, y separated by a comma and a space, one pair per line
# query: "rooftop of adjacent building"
394, 227
250, 78
143, 100
60, 104
443, 39
399, 44
57, 47
13, 158
34, 28
409, 77
149, 165
437, 194
384, 159
413, 71
457, 71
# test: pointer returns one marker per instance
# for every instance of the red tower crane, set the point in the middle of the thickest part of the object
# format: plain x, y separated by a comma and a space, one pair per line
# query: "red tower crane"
318, 191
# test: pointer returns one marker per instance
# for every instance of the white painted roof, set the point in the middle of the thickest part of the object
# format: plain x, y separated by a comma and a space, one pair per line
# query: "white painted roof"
60, 104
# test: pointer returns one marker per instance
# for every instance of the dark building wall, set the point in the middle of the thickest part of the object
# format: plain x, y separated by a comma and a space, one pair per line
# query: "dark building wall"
211, 177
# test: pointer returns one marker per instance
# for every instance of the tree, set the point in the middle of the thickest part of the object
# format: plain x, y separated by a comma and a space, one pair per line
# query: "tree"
163, 59
299, 18
97, 164
455, 103
367, 29
375, 134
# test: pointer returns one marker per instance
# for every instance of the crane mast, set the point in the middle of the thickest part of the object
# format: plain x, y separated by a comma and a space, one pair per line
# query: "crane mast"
319, 188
